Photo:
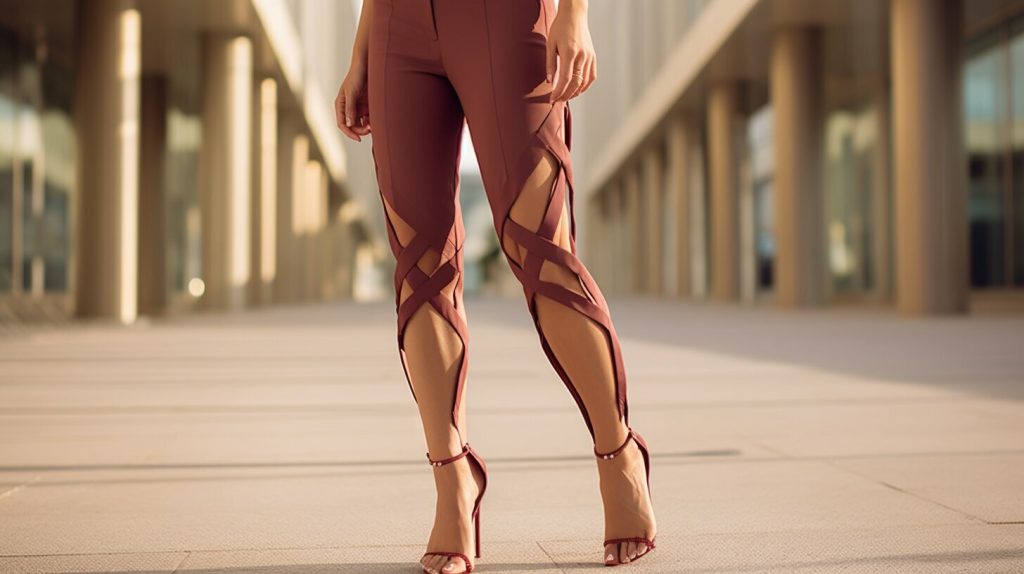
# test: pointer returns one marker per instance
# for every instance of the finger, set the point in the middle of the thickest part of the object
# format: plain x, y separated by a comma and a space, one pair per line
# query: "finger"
350, 110
572, 88
566, 67
591, 75
551, 61
347, 130
362, 126
339, 108
561, 78
580, 78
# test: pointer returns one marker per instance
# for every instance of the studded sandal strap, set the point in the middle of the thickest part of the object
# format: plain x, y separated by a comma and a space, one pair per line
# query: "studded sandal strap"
469, 564
444, 461
629, 436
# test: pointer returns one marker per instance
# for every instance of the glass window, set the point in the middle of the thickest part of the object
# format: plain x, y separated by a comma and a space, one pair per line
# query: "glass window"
762, 167
7, 120
850, 148
986, 114
1017, 147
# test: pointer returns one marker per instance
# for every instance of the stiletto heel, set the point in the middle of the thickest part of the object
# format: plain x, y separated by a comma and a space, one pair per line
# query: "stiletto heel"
476, 536
473, 458
642, 445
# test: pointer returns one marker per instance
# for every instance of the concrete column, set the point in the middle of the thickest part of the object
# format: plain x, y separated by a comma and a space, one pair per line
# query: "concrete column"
310, 229
653, 182
634, 262
292, 153
152, 277
797, 104
723, 107
698, 222
592, 232
613, 240
881, 200
263, 256
107, 93
225, 167
931, 229
678, 195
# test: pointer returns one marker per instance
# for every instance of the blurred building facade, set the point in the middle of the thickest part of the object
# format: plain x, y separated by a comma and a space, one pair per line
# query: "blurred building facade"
162, 156
804, 153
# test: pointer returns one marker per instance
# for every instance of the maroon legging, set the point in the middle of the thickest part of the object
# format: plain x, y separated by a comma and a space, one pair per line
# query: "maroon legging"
434, 64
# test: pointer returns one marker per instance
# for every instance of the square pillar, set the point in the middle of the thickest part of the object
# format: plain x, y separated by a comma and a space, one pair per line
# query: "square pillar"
653, 179
152, 276
225, 167
723, 143
680, 245
634, 260
797, 103
263, 255
928, 151
107, 93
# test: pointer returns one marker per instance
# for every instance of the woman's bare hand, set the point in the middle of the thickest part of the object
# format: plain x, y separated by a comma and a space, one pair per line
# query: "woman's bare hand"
571, 51
351, 107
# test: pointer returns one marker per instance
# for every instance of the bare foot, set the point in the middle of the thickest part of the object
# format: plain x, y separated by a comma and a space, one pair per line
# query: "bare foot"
458, 484
627, 505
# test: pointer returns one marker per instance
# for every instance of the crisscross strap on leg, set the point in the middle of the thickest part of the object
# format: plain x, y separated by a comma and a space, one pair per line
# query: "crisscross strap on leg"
541, 246
428, 289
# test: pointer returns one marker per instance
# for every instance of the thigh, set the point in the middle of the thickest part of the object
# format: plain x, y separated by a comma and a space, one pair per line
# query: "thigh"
495, 53
417, 122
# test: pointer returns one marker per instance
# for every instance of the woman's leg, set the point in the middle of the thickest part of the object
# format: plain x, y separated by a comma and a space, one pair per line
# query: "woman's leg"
417, 124
497, 64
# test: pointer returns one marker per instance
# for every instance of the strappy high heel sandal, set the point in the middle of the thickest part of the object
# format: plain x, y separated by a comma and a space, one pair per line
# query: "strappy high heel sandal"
473, 458
632, 435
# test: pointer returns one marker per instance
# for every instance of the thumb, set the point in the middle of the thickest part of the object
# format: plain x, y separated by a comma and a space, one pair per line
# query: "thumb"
552, 60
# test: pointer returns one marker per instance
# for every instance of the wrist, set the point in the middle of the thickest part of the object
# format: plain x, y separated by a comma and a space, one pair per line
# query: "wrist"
573, 6
359, 56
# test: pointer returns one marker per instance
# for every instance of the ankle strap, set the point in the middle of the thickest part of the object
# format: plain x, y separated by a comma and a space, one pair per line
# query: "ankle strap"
607, 456
444, 461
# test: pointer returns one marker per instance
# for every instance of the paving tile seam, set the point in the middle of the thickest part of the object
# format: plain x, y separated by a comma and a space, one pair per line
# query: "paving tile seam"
518, 464
184, 559
919, 496
9, 493
264, 549
550, 557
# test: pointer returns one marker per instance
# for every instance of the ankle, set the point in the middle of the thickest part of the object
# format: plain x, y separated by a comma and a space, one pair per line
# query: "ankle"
611, 445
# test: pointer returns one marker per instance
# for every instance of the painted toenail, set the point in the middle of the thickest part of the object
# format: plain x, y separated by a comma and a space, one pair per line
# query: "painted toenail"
609, 558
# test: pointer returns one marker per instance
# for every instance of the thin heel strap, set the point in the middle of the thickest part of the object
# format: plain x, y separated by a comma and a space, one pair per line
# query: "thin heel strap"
610, 455
444, 461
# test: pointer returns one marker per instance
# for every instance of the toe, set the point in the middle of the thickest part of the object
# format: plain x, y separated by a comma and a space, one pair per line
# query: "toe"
631, 550
435, 563
609, 554
641, 549
454, 566
623, 556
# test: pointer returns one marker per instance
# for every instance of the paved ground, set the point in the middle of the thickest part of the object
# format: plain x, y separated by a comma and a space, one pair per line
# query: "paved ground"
285, 441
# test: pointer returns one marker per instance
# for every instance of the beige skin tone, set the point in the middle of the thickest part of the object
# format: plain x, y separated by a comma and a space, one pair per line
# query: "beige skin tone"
433, 348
